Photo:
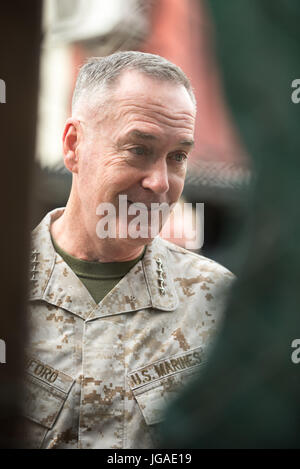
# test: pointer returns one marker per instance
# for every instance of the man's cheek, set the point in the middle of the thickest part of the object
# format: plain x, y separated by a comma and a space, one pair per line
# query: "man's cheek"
176, 189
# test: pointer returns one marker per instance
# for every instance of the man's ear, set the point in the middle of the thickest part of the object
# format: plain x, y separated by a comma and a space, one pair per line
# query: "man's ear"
70, 143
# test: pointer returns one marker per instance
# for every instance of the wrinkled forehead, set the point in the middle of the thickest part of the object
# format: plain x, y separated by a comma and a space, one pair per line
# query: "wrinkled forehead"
139, 98
133, 86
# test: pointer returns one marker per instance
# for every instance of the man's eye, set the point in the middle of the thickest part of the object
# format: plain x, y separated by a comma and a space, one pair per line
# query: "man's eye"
180, 157
139, 151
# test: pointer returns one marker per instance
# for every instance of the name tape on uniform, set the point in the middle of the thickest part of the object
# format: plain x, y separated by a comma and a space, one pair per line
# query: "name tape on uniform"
166, 367
48, 374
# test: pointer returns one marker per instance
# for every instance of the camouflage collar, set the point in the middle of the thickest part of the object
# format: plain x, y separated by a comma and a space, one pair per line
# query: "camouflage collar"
149, 284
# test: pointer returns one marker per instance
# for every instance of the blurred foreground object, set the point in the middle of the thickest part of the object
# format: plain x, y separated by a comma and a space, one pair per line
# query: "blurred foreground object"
19, 54
248, 393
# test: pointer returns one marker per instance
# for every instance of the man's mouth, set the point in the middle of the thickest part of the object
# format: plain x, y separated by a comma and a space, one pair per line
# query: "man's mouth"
144, 206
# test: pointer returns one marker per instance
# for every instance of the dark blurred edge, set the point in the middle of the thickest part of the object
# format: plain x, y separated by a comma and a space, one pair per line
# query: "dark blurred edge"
248, 394
20, 37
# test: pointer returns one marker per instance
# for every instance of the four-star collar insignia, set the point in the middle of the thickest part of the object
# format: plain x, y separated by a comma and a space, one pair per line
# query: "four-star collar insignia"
34, 263
160, 280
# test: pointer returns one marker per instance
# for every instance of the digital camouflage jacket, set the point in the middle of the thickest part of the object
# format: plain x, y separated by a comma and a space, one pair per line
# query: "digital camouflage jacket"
100, 375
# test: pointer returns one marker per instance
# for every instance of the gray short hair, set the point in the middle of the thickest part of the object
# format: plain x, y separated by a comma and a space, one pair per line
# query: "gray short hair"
100, 73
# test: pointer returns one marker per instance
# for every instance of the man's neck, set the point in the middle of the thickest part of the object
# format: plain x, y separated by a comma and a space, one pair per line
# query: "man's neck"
71, 234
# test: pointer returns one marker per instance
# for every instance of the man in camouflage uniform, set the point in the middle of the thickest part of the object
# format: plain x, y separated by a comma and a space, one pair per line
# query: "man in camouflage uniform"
101, 367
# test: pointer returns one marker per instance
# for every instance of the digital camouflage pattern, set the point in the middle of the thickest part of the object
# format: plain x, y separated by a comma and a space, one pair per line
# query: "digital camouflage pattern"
100, 375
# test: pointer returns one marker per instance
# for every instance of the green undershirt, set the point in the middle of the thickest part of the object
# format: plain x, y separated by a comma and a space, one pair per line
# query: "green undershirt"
99, 278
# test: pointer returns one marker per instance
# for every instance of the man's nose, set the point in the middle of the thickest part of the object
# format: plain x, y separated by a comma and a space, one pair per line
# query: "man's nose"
157, 179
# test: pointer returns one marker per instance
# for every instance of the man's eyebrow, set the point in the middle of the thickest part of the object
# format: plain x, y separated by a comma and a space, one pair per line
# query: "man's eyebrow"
140, 134
188, 143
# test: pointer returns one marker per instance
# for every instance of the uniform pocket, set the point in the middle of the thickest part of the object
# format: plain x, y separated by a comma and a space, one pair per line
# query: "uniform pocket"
156, 385
46, 391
